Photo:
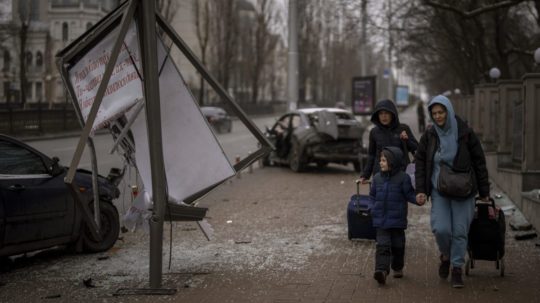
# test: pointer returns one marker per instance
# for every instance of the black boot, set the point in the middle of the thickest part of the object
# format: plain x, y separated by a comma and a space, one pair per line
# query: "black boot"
380, 276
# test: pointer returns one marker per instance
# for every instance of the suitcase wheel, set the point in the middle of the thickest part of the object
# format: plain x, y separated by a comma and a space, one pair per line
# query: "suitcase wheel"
500, 265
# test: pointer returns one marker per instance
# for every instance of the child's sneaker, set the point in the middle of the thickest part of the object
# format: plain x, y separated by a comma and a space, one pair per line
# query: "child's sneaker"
444, 268
380, 276
457, 279
398, 273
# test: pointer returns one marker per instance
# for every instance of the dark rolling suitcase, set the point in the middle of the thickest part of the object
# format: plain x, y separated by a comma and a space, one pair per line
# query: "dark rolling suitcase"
359, 217
486, 235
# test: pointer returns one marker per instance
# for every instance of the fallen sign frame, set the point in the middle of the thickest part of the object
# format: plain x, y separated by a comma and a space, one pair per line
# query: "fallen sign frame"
121, 19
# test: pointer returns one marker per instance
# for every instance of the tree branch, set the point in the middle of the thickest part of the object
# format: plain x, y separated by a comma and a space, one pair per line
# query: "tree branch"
475, 12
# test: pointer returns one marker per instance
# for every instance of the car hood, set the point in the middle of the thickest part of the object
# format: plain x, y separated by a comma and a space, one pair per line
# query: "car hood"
83, 177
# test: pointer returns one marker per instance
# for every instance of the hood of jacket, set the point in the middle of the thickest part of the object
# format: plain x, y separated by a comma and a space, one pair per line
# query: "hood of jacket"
388, 106
448, 133
395, 160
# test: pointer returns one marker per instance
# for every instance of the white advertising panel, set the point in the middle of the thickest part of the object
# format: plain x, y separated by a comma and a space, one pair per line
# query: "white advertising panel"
193, 158
124, 87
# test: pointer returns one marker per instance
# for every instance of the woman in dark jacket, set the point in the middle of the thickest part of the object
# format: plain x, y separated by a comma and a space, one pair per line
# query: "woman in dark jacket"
451, 141
388, 131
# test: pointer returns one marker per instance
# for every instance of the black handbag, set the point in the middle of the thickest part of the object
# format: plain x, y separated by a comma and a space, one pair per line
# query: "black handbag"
456, 184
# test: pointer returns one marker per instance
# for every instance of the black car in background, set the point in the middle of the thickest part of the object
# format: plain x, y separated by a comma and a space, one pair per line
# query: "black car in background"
218, 118
37, 210
316, 135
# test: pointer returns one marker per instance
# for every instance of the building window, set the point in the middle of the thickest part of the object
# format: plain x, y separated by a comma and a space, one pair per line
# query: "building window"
39, 60
29, 58
29, 87
88, 25
6, 91
39, 91
59, 91
7, 60
64, 31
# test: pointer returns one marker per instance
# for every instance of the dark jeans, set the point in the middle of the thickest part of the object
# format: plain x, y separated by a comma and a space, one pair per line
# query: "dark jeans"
390, 249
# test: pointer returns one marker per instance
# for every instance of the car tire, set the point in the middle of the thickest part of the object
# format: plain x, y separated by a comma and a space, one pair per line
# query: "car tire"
110, 228
296, 163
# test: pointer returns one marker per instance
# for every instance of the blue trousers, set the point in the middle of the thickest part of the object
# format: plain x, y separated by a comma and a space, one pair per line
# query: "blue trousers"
390, 249
450, 222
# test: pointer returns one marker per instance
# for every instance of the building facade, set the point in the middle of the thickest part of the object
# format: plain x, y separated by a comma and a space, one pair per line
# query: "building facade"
31, 33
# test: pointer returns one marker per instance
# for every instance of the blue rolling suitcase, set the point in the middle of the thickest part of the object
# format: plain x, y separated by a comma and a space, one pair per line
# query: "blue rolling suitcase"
359, 217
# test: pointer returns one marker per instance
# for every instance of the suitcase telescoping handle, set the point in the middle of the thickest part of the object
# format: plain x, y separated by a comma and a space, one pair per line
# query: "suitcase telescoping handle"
357, 181
479, 200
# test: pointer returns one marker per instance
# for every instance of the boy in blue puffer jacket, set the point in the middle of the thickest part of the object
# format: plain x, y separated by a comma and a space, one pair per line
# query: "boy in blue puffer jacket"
391, 189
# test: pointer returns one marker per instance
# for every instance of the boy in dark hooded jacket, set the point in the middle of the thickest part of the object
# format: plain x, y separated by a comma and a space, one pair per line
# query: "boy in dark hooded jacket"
388, 131
391, 189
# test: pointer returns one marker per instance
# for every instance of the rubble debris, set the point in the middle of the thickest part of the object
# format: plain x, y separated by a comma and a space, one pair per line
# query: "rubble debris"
88, 283
242, 242
508, 210
518, 222
525, 235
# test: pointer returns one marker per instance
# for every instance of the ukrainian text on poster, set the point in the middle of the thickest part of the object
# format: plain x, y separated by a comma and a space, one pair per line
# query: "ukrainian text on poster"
124, 88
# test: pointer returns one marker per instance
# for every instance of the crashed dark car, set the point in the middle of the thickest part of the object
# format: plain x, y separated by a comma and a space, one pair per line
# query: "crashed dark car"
218, 118
316, 135
37, 209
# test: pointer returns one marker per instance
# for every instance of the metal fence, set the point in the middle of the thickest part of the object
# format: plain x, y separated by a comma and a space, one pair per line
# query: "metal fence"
38, 121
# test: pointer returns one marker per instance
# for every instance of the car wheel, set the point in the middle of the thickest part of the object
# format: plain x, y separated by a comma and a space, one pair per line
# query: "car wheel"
110, 228
296, 163
357, 167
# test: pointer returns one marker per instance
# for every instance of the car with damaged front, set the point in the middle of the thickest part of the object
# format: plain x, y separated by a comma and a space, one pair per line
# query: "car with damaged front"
316, 136
38, 210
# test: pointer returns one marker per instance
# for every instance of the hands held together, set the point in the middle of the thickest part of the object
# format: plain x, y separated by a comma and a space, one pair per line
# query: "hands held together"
421, 199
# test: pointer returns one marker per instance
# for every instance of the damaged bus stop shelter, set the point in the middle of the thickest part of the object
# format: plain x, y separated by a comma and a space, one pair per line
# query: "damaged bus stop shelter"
112, 72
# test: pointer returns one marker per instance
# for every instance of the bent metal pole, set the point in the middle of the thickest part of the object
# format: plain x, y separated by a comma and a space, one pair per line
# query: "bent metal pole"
148, 43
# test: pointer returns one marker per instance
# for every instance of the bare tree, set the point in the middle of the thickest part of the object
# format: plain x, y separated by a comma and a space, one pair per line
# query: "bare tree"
455, 46
24, 25
202, 28
264, 44
225, 36
167, 8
